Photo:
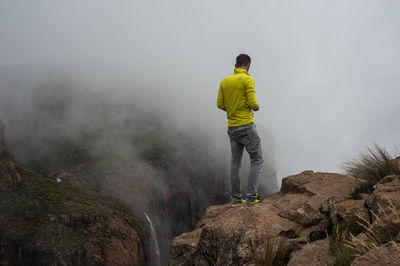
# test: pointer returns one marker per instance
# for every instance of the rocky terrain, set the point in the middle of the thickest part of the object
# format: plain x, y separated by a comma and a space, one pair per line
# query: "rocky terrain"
43, 222
305, 220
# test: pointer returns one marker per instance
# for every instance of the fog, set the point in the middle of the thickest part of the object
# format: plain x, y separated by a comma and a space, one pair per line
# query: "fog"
326, 72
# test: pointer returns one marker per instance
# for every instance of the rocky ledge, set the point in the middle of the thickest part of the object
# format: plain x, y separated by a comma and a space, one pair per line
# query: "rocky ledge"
302, 215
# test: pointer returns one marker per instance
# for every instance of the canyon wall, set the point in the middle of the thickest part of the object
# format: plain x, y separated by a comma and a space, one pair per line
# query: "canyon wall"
44, 222
9, 175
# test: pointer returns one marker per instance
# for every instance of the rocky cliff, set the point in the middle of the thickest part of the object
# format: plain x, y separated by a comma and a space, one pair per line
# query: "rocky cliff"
89, 136
9, 176
303, 222
43, 222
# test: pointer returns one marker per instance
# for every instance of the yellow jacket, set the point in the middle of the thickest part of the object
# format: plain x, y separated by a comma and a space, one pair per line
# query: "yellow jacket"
237, 97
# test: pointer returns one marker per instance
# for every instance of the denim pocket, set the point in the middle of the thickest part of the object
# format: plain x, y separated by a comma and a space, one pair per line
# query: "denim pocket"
243, 135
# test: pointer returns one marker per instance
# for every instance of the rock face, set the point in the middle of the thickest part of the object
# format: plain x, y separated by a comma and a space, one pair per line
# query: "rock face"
43, 222
299, 212
308, 207
315, 254
9, 176
385, 255
384, 205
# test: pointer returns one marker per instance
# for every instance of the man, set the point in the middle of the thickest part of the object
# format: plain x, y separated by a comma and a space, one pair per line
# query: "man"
237, 97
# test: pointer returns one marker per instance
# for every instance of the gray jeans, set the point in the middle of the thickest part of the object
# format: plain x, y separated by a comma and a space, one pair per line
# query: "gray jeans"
241, 137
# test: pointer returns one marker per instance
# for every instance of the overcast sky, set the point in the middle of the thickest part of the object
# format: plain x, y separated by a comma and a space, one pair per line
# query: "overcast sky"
327, 73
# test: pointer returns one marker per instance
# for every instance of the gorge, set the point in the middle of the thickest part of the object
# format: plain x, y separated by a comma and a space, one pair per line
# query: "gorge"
110, 143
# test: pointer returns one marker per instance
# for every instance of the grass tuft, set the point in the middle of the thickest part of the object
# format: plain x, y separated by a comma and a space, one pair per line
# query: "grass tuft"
371, 167
346, 244
273, 251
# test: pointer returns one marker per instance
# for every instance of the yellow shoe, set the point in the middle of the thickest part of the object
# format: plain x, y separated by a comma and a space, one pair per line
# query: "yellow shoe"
237, 202
254, 201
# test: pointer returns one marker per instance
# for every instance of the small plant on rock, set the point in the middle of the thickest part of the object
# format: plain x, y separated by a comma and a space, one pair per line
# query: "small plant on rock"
363, 243
351, 241
344, 230
371, 167
273, 251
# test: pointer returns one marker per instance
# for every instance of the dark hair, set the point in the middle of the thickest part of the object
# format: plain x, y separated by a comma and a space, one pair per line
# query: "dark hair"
242, 60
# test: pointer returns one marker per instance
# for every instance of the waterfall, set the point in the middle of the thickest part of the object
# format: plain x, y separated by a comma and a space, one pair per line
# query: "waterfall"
154, 248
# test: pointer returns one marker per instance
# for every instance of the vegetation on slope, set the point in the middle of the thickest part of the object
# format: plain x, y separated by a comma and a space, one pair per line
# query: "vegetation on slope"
371, 167
43, 221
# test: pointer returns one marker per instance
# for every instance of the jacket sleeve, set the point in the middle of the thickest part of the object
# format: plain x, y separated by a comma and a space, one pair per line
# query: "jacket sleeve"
220, 99
251, 93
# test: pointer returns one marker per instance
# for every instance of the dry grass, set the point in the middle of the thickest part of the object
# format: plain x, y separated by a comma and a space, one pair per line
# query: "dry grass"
272, 252
373, 165
347, 245
362, 245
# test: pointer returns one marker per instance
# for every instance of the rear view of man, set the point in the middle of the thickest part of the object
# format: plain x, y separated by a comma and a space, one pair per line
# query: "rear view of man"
237, 97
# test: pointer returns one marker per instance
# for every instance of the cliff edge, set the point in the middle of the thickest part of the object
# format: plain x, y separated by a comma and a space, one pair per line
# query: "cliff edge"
306, 217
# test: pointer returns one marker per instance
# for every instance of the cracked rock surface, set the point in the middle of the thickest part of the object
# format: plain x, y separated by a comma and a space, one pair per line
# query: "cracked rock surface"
299, 213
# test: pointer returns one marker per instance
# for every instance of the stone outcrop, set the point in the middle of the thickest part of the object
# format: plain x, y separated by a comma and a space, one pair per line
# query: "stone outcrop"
384, 205
385, 197
314, 254
9, 176
308, 208
385, 255
299, 212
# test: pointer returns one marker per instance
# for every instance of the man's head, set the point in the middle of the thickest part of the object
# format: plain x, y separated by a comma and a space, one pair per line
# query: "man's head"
243, 61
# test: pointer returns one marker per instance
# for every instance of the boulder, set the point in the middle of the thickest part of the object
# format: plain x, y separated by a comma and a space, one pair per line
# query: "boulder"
384, 204
387, 226
313, 254
349, 210
325, 185
384, 255
9, 175
385, 198
299, 208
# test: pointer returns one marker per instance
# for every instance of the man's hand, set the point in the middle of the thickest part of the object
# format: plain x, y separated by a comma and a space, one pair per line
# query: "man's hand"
257, 108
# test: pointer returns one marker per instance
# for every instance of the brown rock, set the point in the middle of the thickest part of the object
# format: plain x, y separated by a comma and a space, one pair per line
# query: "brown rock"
318, 191
325, 185
226, 234
386, 197
185, 248
299, 208
387, 254
124, 243
225, 239
316, 232
387, 225
315, 254
9, 176
347, 210
398, 161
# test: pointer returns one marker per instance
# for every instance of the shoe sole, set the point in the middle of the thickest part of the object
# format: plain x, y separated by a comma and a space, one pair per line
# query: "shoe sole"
253, 202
